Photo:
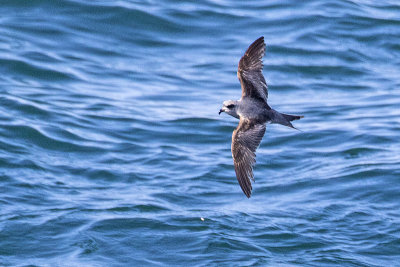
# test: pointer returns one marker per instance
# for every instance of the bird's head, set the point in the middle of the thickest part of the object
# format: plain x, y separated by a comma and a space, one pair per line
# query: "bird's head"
229, 107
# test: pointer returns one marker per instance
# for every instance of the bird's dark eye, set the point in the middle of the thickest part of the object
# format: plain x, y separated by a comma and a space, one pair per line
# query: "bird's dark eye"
230, 106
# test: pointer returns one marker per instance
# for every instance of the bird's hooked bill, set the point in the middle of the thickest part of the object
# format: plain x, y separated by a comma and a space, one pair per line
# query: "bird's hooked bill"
220, 111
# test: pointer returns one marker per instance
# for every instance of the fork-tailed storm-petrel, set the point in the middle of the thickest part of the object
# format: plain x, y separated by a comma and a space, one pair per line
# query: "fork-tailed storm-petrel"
253, 111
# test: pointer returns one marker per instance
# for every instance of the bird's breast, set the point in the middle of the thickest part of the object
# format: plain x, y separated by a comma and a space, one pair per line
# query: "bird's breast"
253, 110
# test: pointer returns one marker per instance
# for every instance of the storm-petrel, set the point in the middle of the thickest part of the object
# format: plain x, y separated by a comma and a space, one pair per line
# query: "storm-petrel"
253, 111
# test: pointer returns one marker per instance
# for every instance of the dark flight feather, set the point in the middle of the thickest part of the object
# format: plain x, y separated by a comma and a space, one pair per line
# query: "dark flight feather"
250, 72
245, 141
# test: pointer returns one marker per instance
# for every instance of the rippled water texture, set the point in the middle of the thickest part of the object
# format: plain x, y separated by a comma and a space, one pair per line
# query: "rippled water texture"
112, 150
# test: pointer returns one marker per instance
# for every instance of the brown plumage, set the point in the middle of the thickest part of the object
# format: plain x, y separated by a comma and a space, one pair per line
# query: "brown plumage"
250, 72
245, 140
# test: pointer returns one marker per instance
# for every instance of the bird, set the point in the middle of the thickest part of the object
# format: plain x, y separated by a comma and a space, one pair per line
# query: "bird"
253, 113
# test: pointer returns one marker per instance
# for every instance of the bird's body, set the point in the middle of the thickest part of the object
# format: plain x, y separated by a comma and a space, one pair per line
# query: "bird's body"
253, 112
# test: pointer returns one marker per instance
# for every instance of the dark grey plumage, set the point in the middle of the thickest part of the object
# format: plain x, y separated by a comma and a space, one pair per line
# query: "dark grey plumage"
254, 112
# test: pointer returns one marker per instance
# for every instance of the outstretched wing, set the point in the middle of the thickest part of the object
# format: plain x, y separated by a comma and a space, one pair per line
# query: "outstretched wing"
250, 71
245, 140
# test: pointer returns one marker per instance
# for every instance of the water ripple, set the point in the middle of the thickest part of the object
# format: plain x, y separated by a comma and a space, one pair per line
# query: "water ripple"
112, 151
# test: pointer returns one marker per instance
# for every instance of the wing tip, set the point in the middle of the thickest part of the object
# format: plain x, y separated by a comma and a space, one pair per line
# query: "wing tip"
247, 191
260, 38
256, 45
244, 182
252, 58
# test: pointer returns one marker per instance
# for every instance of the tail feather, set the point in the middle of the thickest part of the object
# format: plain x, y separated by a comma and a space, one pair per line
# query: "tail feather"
285, 119
291, 117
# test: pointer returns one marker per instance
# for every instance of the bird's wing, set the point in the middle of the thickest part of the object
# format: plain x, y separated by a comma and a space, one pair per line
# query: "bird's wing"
250, 71
245, 140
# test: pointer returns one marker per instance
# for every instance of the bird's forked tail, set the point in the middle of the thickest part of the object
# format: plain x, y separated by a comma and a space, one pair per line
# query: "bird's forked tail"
285, 119
292, 117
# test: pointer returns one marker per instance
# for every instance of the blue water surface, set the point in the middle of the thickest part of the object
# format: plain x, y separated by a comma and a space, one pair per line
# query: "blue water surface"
112, 152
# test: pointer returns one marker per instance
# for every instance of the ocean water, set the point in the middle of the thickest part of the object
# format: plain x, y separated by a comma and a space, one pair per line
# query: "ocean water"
112, 152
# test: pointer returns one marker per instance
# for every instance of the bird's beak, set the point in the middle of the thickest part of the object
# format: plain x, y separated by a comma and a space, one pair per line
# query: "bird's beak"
220, 111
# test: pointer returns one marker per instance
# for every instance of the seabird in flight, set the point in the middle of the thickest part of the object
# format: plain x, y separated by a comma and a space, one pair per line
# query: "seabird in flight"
253, 113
